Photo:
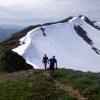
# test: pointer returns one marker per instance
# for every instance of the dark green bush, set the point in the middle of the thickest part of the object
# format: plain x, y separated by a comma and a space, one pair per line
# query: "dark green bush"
13, 62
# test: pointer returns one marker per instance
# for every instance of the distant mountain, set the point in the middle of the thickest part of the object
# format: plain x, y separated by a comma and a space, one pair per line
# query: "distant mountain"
74, 41
7, 30
10, 26
6, 33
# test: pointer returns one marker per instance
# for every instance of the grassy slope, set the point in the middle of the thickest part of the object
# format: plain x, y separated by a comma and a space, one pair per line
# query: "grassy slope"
36, 86
32, 87
86, 82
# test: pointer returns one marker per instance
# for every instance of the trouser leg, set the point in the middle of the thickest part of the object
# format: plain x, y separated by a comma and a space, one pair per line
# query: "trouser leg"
45, 65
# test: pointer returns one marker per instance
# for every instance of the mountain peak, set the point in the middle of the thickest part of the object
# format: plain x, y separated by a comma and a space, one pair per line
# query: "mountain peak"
87, 20
76, 21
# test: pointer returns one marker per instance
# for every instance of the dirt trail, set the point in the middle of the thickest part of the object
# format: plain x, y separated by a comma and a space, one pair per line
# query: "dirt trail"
66, 87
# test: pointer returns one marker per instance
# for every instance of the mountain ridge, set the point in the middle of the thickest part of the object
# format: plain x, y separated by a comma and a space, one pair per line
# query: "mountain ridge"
24, 31
76, 31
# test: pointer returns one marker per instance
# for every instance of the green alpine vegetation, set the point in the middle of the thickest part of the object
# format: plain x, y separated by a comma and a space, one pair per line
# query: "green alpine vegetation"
31, 85
87, 83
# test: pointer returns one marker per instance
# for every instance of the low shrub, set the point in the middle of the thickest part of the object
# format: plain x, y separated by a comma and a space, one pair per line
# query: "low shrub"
13, 62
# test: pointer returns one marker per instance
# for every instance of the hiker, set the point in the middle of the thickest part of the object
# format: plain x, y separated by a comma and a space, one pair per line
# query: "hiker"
45, 61
52, 61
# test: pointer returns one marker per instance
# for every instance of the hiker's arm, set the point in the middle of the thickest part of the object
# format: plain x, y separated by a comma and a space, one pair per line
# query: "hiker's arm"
48, 61
42, 60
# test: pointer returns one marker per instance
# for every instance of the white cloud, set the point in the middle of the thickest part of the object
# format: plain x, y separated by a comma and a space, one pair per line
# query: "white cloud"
40, 11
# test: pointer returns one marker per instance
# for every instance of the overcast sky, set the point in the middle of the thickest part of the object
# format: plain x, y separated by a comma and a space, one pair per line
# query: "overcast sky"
27, 12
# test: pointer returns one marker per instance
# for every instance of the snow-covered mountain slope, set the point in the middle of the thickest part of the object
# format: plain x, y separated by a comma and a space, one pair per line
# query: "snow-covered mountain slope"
76, 45
97, 25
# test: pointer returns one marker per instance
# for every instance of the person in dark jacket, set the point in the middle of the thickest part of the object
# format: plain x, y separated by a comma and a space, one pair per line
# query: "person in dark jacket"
45, 61
52, 62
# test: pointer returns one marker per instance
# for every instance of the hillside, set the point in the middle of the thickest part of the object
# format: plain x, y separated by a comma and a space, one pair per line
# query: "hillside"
30, 85
10, 61
74, 42
34, 84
